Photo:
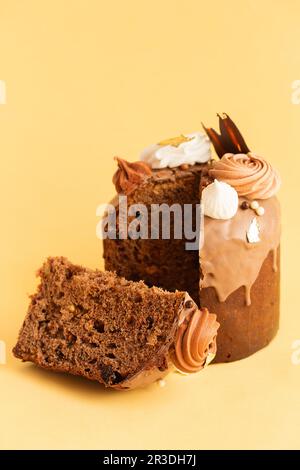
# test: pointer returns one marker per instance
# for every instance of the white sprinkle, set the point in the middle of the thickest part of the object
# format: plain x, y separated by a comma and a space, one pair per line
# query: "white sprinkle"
161, 383
260, 210
209, 359
254, 205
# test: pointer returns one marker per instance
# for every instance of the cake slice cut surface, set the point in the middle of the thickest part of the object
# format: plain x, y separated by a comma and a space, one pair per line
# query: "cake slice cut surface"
103, 327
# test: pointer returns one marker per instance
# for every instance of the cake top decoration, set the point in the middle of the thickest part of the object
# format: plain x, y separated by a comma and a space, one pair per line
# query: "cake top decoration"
230, 140
185, 149
175, 141
220, 200
130, 175
253, 232
195, 343
251, 176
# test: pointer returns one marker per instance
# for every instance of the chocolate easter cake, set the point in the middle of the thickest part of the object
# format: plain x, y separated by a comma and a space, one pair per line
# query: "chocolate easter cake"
234, 271
118, 332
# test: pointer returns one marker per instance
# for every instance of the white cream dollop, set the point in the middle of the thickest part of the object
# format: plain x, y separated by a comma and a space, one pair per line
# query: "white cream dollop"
196, 149
220, 200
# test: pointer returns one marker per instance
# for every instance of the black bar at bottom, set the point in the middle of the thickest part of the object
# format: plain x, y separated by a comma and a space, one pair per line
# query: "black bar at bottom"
135, 458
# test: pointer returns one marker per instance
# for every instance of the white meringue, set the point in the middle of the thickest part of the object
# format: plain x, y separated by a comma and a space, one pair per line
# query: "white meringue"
220, 200
194, 148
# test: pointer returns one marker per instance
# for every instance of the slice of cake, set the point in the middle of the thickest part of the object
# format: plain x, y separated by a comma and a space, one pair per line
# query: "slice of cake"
118, 332
235, 271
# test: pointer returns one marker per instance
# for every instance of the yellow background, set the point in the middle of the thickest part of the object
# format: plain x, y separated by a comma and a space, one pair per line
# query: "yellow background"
89, 79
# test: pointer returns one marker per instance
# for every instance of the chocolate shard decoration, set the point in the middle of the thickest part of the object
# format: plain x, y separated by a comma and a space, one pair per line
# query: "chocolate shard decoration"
216, 140
235, 135
230, 140
228, 135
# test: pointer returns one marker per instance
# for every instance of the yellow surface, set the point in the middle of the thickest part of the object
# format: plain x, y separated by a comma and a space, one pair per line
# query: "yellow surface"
89, 79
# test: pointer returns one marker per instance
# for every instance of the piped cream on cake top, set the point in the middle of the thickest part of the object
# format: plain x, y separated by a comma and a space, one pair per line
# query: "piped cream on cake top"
182, 150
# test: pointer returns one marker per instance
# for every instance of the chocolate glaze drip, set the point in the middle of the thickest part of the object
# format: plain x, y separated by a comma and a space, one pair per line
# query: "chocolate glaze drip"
275, 263
228, 261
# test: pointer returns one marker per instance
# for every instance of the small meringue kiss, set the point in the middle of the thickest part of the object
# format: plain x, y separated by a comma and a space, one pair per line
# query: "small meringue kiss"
220, 200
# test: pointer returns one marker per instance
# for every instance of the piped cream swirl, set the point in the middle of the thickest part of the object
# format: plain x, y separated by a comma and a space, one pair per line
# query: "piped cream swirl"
184, 150
195, 342
250, 175
130, 175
